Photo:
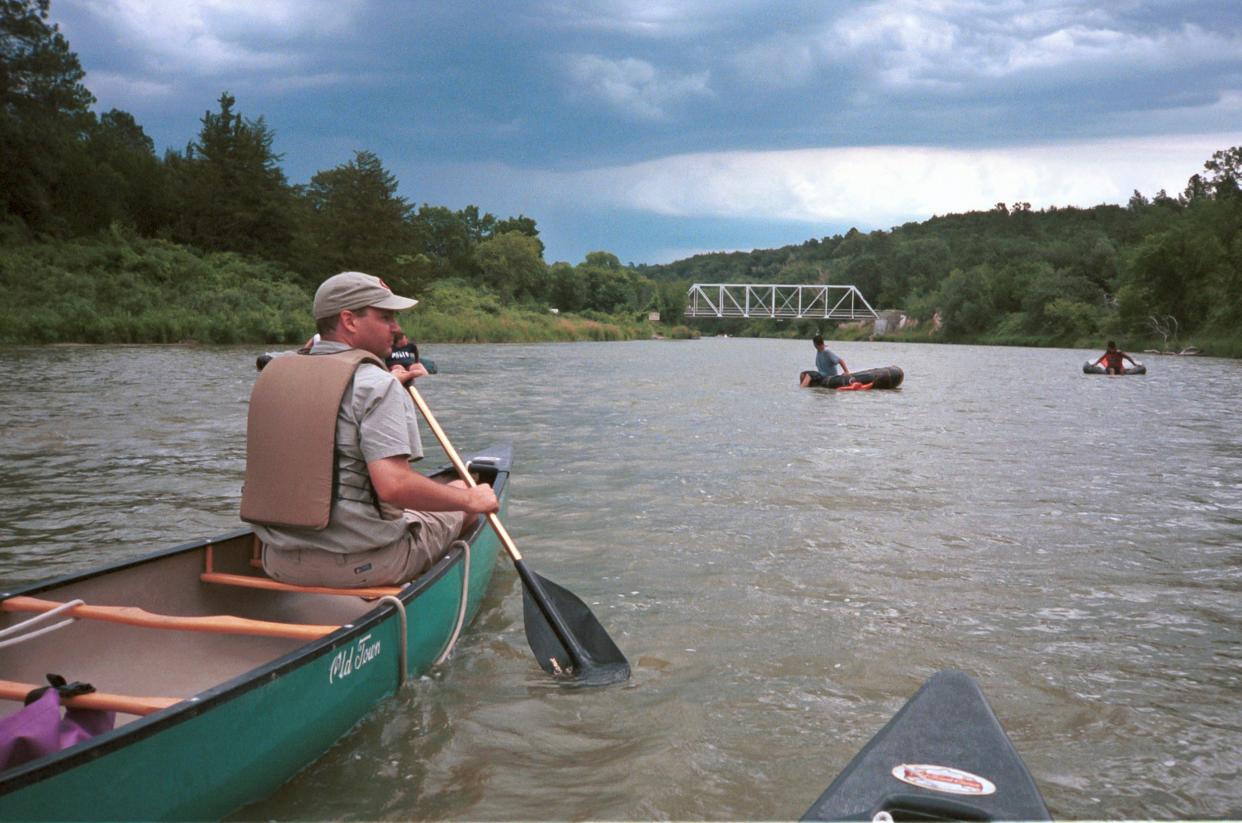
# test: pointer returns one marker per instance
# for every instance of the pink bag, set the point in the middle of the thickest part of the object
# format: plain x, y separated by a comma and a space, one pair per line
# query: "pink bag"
38, 729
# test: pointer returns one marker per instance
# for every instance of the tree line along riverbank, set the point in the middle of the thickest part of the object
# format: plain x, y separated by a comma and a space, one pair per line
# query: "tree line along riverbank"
1163, 272
102, 239
119, 289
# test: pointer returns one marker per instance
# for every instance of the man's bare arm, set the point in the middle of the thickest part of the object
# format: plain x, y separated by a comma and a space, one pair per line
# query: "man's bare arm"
398, 485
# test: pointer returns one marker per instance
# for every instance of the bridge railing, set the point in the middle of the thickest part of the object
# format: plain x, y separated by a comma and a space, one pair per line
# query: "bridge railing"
828, 302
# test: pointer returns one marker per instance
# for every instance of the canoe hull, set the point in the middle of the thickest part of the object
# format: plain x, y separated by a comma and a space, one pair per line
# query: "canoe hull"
229, 754
238, 742
949, 749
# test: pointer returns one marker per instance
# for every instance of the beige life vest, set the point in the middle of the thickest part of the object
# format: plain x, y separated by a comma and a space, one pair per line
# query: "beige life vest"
291, 438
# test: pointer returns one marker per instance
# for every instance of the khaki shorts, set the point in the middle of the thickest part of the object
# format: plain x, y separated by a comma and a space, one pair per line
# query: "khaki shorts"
426, 541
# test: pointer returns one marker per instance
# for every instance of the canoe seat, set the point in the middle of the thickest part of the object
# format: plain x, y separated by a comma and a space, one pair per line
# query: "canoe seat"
252, 582
133, 616
210, 575
12, 690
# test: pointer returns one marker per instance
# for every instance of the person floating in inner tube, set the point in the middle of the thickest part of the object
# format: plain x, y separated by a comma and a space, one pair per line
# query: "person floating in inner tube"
826, 363
403, 358
1112, 360
404, 351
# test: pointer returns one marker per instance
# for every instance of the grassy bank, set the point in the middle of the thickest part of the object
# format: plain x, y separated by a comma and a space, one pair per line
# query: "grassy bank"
117, 290
453, 312
120, 289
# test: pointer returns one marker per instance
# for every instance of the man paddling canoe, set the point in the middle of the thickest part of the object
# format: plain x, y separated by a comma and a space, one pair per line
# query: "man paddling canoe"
352, 512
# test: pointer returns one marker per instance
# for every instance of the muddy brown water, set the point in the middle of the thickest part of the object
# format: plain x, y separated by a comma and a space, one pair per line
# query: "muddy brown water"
783, 567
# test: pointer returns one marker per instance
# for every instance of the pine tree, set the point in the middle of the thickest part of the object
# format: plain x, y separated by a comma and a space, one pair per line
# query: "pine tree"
230, 191
357, 220
44, 113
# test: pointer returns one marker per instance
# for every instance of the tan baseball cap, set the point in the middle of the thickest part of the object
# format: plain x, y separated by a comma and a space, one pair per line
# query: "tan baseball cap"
354, 290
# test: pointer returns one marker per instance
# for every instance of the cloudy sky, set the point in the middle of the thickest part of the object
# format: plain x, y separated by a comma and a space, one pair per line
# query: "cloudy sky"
663, 128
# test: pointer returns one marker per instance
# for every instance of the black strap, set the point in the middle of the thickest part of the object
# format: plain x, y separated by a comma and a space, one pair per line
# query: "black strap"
66, 690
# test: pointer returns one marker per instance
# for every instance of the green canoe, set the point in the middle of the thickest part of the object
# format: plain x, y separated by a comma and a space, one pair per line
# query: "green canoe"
224, 686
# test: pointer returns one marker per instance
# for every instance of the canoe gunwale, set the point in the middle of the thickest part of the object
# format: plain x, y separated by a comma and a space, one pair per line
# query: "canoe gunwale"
43, 768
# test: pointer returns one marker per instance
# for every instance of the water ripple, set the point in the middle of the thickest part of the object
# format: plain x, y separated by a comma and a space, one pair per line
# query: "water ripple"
783, 566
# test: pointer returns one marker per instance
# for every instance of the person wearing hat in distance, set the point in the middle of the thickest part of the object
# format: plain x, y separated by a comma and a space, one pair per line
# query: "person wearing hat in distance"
386, 523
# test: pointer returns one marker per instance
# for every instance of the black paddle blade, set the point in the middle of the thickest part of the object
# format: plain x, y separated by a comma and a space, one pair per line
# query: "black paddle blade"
587, 657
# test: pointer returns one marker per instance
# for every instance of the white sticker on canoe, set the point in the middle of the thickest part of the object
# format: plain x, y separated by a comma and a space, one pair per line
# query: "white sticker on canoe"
943, 779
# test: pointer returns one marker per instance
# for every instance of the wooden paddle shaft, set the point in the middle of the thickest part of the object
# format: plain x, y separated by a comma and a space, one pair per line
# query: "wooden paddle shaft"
501, 531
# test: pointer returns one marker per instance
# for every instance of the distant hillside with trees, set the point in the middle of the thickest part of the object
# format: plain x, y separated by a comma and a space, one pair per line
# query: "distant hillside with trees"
104, 240
1165, 270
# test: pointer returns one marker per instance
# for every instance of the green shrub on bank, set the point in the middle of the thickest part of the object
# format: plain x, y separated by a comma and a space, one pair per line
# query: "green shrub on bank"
1218, 346
127, 290
122, 289
452, 312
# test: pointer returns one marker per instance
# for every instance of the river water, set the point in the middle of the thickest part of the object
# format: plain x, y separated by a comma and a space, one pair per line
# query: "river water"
782, 566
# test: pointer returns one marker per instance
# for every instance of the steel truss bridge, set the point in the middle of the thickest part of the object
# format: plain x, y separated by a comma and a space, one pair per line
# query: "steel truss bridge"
765, 300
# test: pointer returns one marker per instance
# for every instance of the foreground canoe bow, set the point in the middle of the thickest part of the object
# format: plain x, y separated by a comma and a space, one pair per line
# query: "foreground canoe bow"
225, 682
944, 756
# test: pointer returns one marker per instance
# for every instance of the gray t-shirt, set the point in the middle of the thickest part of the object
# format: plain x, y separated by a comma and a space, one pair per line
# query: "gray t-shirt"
826, 363
376, 420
